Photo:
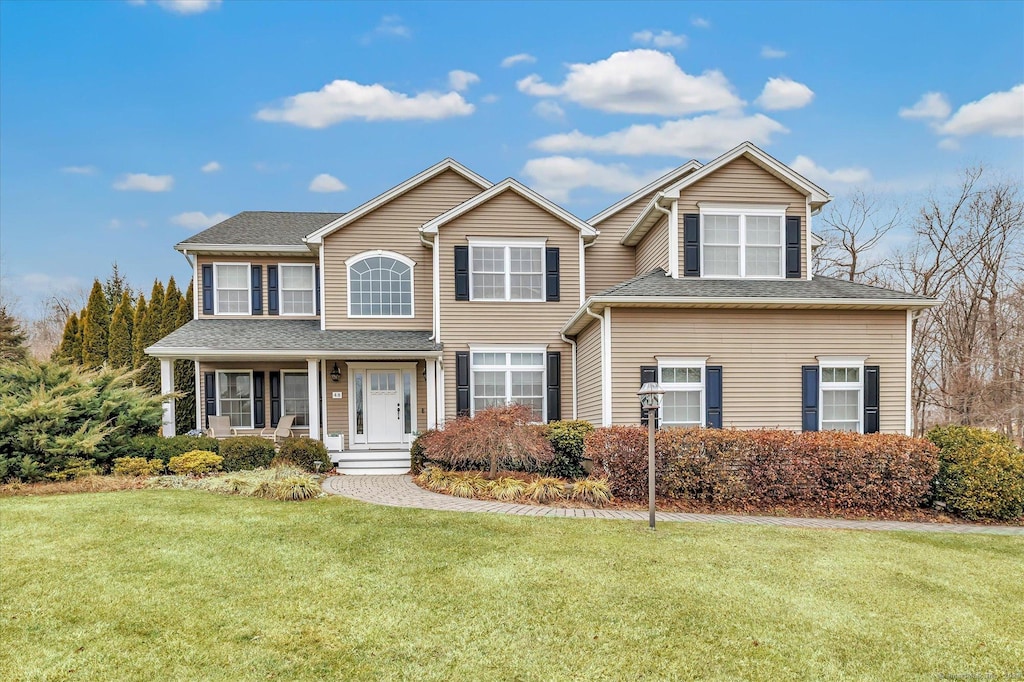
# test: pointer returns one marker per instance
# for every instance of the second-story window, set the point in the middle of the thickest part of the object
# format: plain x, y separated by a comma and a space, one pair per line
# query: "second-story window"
506, 272
231, 283
298, 290
743, 243
380, 285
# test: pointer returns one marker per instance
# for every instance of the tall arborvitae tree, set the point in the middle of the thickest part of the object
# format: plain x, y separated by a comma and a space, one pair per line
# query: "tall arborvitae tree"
79, 347
119, 346
126, 301
115, 286
185, 375
172, 297
149, 374
12, 338
96, 330
138, 322
66, 349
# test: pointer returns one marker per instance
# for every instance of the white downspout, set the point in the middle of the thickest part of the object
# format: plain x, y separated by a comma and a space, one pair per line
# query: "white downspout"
435, 278
605, 395
661, 209
572, 343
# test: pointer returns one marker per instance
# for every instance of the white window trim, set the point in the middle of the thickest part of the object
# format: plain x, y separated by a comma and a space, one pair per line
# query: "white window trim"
508, 244
744, 210
252, 399
248, 297
280, 288
385, 254
687, 363
302, 372
507, 369
841, 362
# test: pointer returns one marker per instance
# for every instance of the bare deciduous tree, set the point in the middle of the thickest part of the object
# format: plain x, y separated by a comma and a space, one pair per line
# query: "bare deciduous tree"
854, 231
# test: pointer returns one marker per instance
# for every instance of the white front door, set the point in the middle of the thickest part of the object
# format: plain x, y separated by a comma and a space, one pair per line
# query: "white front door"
384, 419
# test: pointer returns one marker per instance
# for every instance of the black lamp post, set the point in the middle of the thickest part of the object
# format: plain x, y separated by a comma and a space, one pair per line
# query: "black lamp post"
651, 395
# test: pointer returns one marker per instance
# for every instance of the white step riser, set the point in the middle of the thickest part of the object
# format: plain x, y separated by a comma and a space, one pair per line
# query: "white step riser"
373, 472
369, 455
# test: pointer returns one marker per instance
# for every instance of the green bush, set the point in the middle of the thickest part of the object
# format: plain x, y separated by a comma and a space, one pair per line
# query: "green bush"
303, 452
74, 469
145, 446
981, 473
137, 466
246, 452
195, 462
165, 448
567, 437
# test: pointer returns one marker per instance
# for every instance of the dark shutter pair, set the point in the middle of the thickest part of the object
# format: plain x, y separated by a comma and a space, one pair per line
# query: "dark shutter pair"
552, 277
811, 379
712, 395
259, 411
691, 246
554, 384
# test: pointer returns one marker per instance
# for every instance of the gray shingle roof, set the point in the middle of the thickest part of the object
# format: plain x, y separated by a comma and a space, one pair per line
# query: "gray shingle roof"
289, 335
268, 228
657, 284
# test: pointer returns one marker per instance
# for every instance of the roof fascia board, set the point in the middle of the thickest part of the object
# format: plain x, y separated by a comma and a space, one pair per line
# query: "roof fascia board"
190, 247
204, 353
667, 178
317, 236
633, 235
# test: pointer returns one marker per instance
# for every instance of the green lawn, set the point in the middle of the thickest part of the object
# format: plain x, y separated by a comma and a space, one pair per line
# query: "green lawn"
192, 585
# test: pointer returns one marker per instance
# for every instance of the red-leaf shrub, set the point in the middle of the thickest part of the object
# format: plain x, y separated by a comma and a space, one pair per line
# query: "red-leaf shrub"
766, 468
495, 437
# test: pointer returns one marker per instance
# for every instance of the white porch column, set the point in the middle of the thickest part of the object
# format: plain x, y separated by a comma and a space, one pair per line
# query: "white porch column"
167, 386
431, 393
440, 393
313, 375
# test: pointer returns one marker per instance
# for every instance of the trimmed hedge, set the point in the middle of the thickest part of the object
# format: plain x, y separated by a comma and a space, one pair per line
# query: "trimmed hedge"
246, 452
832, 470
158, 447
303, 452
567, 437
981, 473
195, 462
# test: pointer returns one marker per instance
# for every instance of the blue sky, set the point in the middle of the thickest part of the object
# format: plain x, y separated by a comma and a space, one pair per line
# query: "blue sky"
127, 126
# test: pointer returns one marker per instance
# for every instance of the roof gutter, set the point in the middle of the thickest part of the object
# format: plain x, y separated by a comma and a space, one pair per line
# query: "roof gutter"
229, 248
222, 354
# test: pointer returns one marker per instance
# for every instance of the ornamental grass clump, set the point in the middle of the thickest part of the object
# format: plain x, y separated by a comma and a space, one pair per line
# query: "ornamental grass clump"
592, 491
545, 490
507, 489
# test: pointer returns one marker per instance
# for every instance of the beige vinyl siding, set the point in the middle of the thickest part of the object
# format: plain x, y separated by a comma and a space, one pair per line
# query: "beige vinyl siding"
761, 353
608, 262
652, 251
205, 367
742, 181
263, 262
508, 215
588, 370
392, 227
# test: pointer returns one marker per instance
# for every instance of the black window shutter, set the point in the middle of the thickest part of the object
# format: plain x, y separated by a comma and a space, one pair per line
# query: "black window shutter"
551, 271
691, 245
257, 290
871, 416
461, 382
275, 398
648, 374
713, 396
462, 274
208, 290
793, 247
272, 289
810, 397
554, 386
316, 279
259, 412
210, 391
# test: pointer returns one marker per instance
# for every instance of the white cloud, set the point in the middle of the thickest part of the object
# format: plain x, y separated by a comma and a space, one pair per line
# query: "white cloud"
114, 224
849, 176
638, 82
342, 100
144, 182
784, 93
768, 52
549, 110
459, 80
392, 25
932, 105
211, 167
999, 113
703, 136
197, 220
185, 6
42, 283
521, 58
489, 99
950, 144
661, 39
700, 22
79, 170
327, 183
557, 176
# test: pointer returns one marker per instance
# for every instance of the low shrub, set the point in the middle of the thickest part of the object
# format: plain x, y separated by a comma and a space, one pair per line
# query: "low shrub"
545, 489
246, 452
195, 462
981, 473
592, 491
289, 489
165, 448
146, 447
620, 456
305, 452
567, 439
417, 453
75, 468
137, 466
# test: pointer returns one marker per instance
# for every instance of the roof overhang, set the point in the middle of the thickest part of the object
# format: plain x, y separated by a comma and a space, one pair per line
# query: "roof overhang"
245, 249
672, 176
510, 185
210, 354
317, 236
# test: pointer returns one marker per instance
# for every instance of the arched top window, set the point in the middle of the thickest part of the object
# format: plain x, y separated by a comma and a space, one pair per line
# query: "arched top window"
380, 285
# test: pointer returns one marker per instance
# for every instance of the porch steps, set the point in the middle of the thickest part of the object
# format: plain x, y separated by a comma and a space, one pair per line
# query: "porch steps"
372, 462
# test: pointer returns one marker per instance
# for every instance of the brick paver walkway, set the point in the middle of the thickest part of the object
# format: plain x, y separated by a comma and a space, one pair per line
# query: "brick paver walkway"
400, 491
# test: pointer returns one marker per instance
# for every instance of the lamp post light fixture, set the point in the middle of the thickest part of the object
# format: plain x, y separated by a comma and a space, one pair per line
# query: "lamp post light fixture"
651, 395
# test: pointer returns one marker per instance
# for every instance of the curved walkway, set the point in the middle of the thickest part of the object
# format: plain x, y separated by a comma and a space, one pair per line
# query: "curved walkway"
400, 491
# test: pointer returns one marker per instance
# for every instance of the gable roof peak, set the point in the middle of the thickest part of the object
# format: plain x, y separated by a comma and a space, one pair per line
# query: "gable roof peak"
672, 176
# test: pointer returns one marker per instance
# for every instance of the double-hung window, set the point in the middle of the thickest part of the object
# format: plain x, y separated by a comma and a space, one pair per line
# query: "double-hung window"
231, 283
512, 271
842, 396
380, 285
298, 289
743, 241
295, 396
683, 382
508, 376
234, 398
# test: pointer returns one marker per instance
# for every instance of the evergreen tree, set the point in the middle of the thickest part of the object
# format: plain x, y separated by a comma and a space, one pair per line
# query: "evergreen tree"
66, 350
96, 330
119, 347
115, 286
79, 339
149, 374
12, 338
189, 307
172, 298
138, 322
129, 318
185, 376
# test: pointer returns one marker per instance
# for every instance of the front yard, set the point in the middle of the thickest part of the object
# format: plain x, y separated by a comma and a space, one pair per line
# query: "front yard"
192, 585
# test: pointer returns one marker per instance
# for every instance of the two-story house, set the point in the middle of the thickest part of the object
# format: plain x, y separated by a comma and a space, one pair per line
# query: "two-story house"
448, 294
